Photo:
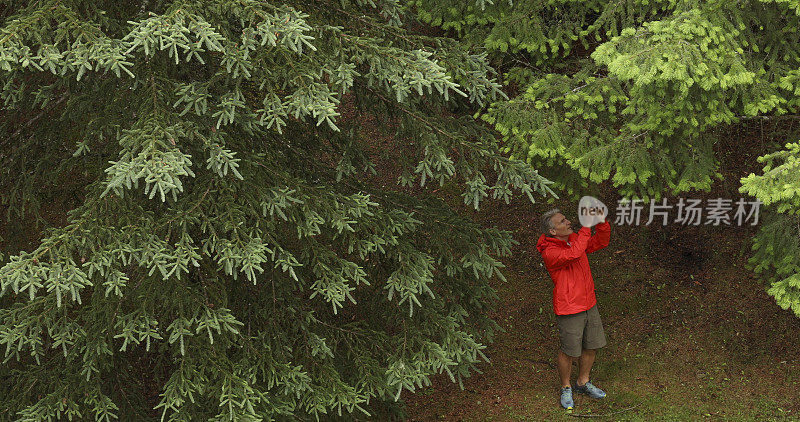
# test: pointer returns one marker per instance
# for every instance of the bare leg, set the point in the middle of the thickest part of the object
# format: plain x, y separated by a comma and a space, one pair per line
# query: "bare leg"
564, 368
585, 363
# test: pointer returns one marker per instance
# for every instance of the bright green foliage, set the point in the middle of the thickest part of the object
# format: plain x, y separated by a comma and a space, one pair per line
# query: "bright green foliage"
631, 91
542, 29
634, 91
231, 256
777, 247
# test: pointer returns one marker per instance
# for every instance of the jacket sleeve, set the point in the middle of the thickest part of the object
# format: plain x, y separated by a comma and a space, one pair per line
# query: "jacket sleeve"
600, 239
555, 257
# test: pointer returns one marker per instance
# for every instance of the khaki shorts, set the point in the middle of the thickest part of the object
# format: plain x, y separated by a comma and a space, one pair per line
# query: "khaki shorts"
583, 330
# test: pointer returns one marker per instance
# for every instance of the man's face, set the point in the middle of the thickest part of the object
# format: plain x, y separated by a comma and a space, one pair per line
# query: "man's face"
561, 226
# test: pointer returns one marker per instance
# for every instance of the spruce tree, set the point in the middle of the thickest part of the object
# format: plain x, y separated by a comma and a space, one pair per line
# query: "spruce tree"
231, 255
639, 92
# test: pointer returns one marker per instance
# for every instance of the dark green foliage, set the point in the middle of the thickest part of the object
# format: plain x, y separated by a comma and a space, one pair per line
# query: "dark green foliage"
231, 256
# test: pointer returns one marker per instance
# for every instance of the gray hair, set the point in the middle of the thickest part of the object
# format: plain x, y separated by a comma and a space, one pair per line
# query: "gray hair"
546, 223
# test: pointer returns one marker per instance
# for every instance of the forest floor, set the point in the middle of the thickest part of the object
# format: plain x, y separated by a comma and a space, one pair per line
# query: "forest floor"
692, 334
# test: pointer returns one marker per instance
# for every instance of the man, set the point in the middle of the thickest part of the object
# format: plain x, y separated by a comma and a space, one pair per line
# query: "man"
574, 302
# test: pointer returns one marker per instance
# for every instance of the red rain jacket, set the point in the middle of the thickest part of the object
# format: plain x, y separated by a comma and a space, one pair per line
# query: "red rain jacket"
568, 265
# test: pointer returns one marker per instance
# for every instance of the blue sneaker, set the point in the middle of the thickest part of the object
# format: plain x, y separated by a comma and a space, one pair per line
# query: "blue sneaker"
566, 398
590, 390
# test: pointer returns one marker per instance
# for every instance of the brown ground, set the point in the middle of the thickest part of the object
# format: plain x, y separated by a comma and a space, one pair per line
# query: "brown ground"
692, 333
